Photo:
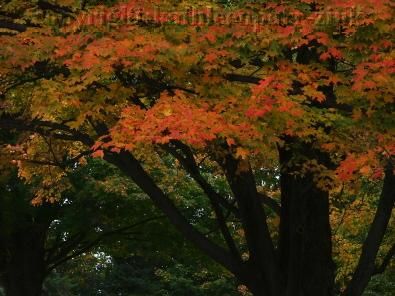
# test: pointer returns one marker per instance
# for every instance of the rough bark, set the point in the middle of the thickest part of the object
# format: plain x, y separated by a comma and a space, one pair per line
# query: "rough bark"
305, 235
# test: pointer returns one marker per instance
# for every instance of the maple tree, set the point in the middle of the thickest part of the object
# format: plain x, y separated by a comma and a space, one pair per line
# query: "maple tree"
302, 90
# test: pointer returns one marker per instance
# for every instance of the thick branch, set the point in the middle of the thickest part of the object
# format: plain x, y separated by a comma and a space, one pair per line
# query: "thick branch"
61, 250
366, 265
4, 24
188, 162
47, 128
126, 162
242, 182
242, 78
63, 10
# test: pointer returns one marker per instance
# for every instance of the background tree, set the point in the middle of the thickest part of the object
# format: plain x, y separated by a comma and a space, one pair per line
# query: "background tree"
34, 240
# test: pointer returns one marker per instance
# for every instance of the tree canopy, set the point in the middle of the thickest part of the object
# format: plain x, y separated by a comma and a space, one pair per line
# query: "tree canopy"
275, 119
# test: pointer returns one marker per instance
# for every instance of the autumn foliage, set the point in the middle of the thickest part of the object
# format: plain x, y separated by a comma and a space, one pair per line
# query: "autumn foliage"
303, 89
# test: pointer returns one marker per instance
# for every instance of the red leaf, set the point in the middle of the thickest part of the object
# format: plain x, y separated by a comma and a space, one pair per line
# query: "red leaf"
98, 154
210, 58
210, 37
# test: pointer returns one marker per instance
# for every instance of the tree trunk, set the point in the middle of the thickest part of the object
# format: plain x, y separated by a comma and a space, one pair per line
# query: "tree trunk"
305, 234
24, 271
258, 290
253, 280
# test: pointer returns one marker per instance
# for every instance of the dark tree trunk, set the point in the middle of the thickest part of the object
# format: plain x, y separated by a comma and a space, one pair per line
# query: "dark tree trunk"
305, 234
258, 290
24, 270
263, 258
252, 279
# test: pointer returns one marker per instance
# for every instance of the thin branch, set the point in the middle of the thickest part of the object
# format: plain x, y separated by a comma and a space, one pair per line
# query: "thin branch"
188, 162
256, 71
64, 248
76, 158
386, 261
50, 150
41, 162
19, 83
65, 256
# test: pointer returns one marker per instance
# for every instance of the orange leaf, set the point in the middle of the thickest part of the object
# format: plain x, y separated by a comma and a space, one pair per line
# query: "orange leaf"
98, 154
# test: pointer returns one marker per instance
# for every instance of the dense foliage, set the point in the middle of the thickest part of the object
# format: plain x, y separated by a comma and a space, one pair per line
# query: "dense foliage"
263, 130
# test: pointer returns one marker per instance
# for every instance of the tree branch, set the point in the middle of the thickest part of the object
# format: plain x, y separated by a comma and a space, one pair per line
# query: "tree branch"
63, 248
4, 24
131, 167
187, 160
19, 83
242, 182
47, 128
63, 10
242, 78
366, 264
127, 163
386, 261
64, 255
